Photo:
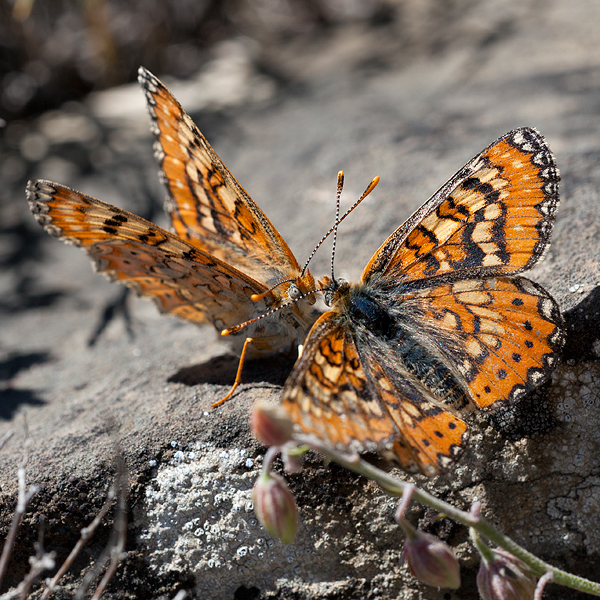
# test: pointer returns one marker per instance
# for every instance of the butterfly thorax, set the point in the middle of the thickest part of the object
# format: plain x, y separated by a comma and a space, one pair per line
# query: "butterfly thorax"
364, 308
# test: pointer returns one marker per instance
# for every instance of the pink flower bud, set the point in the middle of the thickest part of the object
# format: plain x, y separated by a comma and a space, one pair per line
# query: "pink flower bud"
505, 577
429, 559
275, 507
270, 424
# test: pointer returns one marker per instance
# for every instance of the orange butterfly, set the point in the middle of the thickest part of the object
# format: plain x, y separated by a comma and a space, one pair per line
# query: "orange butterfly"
439, 323
225, 256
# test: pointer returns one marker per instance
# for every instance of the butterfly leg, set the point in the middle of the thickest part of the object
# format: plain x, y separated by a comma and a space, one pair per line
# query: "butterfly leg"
238, 375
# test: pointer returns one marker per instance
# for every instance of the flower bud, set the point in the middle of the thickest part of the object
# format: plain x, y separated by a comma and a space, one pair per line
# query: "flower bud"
275, 507
270, 424
505, 577
429, 559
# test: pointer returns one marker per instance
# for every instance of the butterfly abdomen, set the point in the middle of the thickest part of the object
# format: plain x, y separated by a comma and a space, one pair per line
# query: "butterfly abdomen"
430, 370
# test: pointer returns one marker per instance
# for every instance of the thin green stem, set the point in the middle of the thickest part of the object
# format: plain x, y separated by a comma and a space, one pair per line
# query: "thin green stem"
396, 487
484, 550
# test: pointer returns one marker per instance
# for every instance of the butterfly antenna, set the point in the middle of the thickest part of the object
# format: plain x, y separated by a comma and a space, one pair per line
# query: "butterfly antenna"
338, 195
338, 220
238, 328
369, 189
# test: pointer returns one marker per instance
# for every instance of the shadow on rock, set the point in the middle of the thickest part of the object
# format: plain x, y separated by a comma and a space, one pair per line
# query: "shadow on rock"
583, 324
532, 415
222, 369
12, 399
14, 363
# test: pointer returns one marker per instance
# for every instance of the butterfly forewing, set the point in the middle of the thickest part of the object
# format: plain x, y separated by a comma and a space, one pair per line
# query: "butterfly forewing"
431, 434
207, 206
180, 278
492, 218
351, 388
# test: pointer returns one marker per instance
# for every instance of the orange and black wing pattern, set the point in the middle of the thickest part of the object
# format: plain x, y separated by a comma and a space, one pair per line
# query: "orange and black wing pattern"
439, 323
493, 217
180, 278
351, 388
207, 206
223, 249
503, 335
330, 394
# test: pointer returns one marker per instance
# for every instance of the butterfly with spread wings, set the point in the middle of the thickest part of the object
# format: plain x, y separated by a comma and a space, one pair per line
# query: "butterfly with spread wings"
440, 323
224, 257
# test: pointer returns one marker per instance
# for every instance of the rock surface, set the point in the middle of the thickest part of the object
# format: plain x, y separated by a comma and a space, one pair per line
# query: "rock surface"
411, 101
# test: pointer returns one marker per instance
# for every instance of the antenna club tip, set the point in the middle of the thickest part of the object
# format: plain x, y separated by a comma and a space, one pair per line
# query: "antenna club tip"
375, 180
225, 332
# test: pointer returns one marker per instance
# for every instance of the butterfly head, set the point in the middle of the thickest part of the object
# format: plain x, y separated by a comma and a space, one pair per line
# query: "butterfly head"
333, 289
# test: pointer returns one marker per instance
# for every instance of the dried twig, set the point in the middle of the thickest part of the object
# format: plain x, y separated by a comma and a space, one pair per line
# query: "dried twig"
119, 533
116, 544
23, 499
5, 438
118, 488
86, 534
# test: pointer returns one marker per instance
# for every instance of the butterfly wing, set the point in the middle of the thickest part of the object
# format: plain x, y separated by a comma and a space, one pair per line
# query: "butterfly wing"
328, 393
347, 389
180, 278
502, 335
207, 206
492, 218
436, 324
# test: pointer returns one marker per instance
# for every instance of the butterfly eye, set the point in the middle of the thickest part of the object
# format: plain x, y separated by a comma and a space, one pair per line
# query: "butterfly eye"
294, 292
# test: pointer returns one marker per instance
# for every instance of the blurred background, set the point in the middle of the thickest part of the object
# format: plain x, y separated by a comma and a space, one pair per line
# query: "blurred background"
54, 51
70, 109
59, 61
58, 57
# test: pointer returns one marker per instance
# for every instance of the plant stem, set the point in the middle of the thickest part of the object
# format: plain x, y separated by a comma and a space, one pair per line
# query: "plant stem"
396, 487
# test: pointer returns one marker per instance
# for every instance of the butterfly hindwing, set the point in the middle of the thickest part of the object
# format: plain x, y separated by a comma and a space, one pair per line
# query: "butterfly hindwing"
328, 393
502, 335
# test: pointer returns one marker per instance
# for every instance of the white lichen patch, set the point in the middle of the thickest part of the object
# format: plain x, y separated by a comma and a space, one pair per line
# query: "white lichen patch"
198, 518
